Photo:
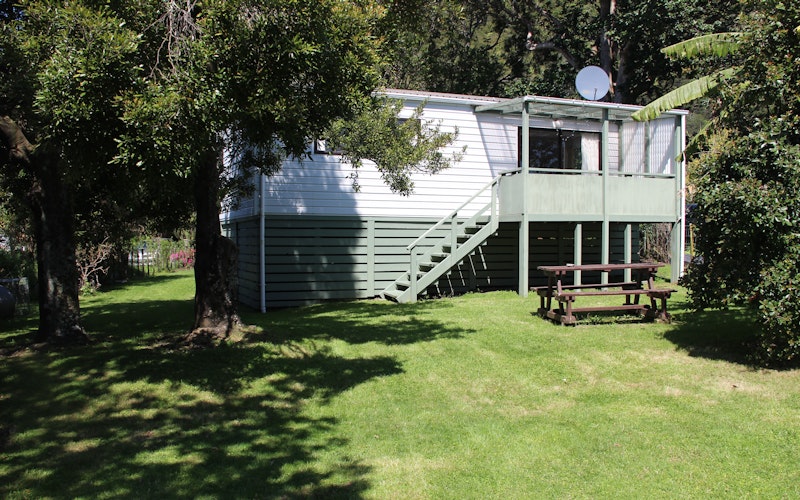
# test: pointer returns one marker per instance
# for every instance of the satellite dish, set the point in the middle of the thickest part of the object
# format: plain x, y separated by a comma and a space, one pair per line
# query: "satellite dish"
592, 83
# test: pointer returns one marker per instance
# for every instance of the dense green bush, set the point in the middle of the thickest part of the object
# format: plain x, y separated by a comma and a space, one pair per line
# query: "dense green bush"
779, 311
748, 220
747, 187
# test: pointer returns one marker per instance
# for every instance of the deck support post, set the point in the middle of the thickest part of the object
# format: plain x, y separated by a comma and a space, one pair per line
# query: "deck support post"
605, 249
577, 256
628, 242
524, 229
371, 291
679, 228
676, 247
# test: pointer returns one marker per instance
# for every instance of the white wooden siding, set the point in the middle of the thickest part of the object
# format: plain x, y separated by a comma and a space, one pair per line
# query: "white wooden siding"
321, 184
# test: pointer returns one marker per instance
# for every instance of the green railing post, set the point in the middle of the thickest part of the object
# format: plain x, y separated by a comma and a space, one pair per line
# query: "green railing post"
494, 201
412, 275
453, 233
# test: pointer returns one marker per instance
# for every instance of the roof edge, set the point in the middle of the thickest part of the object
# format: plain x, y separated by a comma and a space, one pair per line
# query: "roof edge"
488, 102
440, 97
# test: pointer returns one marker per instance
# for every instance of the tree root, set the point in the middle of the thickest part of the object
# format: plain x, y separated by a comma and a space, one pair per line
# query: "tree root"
204, 337
74, 335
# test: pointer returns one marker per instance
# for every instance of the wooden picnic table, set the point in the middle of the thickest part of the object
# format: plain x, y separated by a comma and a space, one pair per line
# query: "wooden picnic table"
642, 283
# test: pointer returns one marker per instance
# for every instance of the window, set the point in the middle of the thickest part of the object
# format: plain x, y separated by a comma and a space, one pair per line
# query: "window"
561, 149
321, 148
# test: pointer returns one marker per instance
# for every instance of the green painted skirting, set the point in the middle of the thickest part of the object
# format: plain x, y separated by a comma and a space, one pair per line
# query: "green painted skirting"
311, 258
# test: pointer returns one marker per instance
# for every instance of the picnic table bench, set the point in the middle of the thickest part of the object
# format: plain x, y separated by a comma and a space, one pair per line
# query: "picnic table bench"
564, 295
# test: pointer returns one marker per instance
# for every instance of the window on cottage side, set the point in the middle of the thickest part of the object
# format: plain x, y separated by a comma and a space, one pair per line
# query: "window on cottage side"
561, 149
321, 148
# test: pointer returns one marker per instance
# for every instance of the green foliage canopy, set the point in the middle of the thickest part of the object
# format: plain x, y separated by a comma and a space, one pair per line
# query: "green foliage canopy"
748, 186
260, 76
398, 148
502, 47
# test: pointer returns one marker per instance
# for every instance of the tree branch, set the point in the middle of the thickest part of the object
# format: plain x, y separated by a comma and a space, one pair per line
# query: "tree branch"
19, 148
180, 29
544, 46
516, 13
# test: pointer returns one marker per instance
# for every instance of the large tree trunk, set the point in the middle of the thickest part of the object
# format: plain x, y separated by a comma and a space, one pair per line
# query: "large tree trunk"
215, 303
58, 276
54, 230
605, 44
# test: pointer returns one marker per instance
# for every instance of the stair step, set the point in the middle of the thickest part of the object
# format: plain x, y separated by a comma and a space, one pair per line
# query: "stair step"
392, 294
405, 283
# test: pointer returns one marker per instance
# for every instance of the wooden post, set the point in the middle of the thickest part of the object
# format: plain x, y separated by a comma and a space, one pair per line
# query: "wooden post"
412, 275
678, 230
628, 237
577, 256
371, 257
605, 249
524, 229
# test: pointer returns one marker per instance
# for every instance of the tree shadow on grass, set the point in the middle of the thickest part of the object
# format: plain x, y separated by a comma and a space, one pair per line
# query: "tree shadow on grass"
726, 335
360, 322
105, 320
228, 422
141, 419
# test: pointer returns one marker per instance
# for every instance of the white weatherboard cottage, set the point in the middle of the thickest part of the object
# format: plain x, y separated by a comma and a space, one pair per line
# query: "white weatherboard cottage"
592, 175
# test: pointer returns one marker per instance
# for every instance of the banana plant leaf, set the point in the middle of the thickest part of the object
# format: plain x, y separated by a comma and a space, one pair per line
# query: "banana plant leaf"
714, 44
682, 95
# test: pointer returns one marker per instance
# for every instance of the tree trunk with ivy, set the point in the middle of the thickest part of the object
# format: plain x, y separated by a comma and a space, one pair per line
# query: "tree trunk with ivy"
215, 267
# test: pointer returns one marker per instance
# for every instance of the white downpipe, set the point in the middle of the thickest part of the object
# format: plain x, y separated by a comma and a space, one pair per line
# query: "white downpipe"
262, 246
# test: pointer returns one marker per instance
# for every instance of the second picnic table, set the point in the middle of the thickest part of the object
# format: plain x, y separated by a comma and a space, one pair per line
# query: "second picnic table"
641, 283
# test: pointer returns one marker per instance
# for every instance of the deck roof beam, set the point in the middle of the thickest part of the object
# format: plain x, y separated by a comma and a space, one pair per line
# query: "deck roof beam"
554, 107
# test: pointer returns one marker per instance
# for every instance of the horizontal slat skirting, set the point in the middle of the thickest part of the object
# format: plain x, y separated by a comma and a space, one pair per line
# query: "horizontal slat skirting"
318, 258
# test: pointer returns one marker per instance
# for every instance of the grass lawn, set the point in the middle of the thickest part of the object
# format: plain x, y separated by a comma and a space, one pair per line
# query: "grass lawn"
471, 397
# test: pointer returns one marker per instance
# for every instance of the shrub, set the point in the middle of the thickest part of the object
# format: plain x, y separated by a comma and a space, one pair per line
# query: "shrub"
182, 259
656, 240
17, 264
93, 265
152, 254
779, 312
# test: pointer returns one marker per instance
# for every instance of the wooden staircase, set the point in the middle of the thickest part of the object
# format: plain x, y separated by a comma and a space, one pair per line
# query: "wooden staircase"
432, 256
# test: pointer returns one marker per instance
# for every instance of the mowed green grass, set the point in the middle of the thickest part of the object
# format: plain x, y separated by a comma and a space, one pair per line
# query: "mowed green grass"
469, 397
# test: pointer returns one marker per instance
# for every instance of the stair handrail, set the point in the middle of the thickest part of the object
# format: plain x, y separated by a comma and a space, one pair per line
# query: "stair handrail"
455, 212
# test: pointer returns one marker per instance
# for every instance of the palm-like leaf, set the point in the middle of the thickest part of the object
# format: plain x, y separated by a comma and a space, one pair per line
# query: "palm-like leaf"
714, 44
683, 94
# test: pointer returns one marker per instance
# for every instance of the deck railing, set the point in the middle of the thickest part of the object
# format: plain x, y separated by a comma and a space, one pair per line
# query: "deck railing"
454, 215
617, 173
